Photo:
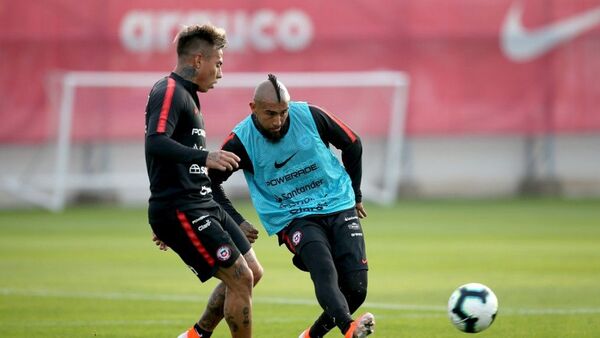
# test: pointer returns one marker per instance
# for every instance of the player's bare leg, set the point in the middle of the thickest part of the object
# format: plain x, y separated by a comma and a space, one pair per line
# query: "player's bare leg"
213, 314
237, 306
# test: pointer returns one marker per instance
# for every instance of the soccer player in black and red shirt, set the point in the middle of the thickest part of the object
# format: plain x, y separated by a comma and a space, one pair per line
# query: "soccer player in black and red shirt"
182, 212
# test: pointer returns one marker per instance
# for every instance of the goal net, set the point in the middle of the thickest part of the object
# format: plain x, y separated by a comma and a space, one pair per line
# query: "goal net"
97, 145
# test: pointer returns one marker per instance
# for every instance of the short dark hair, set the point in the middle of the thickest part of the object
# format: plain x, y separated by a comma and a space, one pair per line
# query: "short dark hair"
195, 37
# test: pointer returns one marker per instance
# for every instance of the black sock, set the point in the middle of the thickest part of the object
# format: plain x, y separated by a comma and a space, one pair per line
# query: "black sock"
346, 327
323, 325
201, 332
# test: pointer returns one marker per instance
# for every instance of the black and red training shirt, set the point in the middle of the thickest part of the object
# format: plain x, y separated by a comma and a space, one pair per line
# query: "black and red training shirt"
175, 146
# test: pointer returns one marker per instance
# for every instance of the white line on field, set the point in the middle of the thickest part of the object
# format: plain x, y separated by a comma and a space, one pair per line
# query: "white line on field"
93, 322
278, 300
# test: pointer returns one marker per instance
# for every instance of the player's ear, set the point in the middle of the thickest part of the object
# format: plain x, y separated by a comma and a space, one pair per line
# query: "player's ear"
198, 58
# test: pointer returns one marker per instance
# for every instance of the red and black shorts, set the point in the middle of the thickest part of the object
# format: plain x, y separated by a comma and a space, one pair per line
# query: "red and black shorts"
204, 238
340, 232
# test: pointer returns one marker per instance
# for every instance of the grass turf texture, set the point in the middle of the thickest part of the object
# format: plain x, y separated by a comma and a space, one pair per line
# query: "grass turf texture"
94, 272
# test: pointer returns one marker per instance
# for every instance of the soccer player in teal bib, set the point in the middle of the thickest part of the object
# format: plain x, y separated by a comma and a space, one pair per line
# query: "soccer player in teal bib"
305, 196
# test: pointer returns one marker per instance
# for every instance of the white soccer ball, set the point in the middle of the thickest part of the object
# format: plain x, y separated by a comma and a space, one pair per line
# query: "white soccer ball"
472, 307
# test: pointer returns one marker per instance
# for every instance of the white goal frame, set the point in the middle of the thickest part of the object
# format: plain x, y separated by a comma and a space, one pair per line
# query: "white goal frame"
51, 193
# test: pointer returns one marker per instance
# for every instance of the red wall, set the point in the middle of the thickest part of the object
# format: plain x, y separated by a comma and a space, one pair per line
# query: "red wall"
462, 80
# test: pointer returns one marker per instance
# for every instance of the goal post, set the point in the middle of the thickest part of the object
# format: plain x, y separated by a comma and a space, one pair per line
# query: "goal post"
383, 144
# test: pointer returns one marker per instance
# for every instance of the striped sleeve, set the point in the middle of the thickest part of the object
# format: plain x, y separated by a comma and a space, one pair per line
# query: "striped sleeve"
167, 102
161, 111
333, 131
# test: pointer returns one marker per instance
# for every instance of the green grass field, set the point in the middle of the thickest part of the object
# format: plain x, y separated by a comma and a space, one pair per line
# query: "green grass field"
94, 272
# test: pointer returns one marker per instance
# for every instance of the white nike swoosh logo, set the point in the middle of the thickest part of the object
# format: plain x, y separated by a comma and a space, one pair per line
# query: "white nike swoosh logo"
522, 45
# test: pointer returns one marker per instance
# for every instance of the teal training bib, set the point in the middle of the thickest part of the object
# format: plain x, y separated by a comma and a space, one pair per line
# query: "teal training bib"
296, 176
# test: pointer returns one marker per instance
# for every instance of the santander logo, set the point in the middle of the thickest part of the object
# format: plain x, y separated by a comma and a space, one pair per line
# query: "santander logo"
521, 44
262, 30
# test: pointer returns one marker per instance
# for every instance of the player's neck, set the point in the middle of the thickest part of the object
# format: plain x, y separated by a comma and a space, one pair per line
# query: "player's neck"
187, 72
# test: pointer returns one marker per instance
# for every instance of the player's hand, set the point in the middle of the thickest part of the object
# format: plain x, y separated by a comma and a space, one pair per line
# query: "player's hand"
360, 210
161, 245
250, 231
222, 160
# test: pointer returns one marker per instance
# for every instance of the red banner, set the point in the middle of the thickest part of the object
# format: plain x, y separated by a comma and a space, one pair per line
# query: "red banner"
501, 66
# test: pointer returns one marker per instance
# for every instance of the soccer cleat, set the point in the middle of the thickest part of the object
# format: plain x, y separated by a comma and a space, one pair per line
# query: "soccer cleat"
361, 327
191, 333
305, 334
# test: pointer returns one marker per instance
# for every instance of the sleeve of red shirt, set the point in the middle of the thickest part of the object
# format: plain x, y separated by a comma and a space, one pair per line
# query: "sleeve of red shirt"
163, 110
334, 131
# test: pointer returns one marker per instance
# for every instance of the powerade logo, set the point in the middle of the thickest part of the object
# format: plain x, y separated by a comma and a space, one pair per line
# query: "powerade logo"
293, 175
263, 30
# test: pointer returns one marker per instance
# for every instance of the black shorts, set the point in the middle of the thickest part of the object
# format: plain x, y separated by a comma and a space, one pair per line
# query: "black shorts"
340, 232
204, 238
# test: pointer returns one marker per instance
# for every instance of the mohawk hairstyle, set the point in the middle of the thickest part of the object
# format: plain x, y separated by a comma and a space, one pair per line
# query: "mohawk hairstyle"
189, 38
273, 80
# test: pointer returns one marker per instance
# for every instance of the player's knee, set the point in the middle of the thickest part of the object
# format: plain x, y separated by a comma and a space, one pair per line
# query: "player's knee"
245, 277
257, 272
254, 265
355, 297
239, 277
354, 288
358, 294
